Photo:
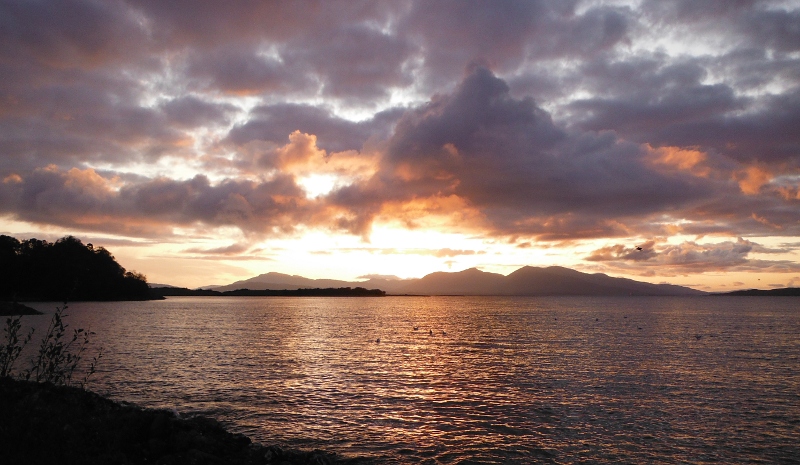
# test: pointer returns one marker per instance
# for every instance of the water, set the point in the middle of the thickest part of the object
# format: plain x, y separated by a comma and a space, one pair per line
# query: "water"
482, 379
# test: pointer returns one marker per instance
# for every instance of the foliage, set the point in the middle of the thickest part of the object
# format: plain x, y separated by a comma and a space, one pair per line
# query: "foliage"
13, 347
58, 355
64, 270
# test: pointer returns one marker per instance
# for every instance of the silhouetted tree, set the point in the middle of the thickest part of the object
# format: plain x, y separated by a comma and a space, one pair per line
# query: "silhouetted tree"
9, 266
64, 270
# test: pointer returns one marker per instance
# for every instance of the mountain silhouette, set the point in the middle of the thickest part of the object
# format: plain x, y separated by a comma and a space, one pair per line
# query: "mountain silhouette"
557, 280
528, 280
280, 281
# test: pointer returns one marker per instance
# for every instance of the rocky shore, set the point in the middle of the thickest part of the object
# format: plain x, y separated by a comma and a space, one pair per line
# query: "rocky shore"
16, 308
47, 424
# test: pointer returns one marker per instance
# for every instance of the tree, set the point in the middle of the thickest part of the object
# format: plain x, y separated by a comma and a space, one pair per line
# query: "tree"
65, 270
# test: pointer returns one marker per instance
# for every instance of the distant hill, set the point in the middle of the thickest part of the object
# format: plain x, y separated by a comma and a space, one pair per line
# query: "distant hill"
528, 280
280, 281
786, 291
556, 280
468, 282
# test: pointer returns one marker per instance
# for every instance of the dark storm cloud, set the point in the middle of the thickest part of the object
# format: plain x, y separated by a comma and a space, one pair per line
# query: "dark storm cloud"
83, 199
275, 122
242, 71
567, 123
374, 61
206, 23
67, 124
716, 102
190, 111
69, 89
505, 34
507, 158
765, 23
668, 105
334, 48
69, 33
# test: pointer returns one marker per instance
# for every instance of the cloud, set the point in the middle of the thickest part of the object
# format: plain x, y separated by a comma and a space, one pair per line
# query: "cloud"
374, 61
506, 158
242, 71
438, 253
388, 277
274, 122
549, 121
71, 33
190, 111
85, 200
507, 34
233, 249
688, 258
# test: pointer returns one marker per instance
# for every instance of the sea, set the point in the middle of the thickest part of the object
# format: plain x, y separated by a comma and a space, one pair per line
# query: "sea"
466, 380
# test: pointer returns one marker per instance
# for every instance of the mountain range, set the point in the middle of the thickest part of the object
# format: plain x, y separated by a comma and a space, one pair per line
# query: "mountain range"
528, 280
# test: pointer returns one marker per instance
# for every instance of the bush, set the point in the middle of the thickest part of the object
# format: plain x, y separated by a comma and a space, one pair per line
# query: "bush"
12, 348
58, 356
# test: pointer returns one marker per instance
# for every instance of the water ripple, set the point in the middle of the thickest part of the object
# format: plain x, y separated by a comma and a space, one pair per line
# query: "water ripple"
480, 381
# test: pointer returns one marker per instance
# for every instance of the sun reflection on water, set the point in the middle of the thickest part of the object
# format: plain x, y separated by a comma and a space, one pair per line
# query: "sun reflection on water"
486, 380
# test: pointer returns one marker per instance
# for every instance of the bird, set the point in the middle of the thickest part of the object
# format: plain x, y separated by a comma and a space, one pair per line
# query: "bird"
638, 248
378, 341
416, 328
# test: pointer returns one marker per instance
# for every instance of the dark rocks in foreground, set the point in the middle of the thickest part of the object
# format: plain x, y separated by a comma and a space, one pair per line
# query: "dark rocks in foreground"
16, 308
47, 424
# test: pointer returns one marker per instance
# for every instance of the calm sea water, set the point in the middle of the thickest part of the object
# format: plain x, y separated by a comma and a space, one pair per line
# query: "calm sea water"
469, 379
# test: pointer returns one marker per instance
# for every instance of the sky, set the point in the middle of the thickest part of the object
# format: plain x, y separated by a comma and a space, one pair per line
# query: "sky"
204, 142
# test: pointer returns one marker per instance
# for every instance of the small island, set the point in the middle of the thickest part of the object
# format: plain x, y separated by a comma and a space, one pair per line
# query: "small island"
782, 292
161, 292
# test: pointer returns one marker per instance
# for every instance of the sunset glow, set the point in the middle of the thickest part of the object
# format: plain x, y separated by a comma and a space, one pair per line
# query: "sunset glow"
208, 143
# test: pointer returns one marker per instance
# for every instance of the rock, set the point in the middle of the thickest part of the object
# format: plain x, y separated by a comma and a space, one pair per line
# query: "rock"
16, 308
44, 424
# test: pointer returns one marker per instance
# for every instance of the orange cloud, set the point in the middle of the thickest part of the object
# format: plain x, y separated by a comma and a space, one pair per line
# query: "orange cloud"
435, 211
302, 156
12, 178
689, 160
766, 222
752, 178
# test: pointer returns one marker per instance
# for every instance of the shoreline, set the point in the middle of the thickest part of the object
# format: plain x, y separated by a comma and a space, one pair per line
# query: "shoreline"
43, 423
163, 292
16, 309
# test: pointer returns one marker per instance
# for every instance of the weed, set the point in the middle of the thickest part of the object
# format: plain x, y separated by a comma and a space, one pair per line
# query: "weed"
58, 355
13, 347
